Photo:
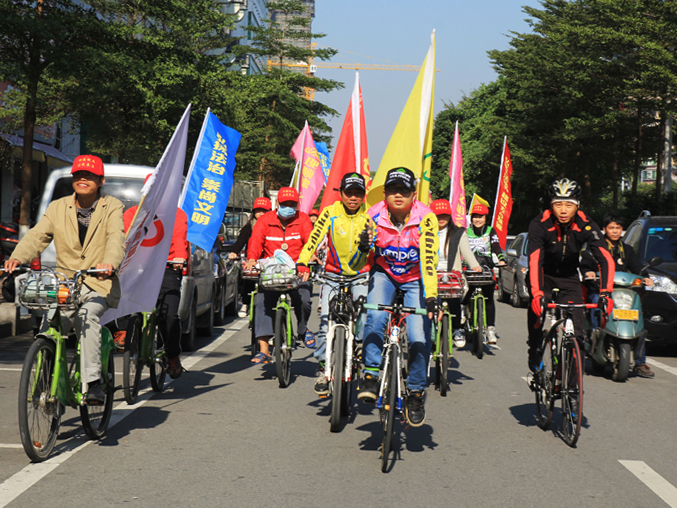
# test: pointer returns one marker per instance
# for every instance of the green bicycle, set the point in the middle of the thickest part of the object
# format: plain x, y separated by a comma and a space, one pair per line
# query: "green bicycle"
49, 382
476, 317
449, 285
143, 347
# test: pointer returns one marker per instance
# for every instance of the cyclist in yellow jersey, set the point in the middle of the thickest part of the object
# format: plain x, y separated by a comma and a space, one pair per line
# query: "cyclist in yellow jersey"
346, 225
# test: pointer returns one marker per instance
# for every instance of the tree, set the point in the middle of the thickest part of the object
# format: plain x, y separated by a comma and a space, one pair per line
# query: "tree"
278, 98
37, 38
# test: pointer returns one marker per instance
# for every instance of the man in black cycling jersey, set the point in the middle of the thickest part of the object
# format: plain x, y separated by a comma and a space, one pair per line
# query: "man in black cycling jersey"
556, 238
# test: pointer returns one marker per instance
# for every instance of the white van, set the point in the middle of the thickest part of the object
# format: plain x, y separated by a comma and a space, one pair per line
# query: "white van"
200, 297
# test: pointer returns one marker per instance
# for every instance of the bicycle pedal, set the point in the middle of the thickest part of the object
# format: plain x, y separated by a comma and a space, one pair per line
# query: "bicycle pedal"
323, 396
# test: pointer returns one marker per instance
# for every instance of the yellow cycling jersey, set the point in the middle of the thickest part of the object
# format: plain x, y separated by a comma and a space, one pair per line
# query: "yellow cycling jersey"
344, 230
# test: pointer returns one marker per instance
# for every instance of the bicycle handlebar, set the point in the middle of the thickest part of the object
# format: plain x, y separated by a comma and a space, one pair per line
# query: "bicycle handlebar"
391, 308
335, 277
572, 305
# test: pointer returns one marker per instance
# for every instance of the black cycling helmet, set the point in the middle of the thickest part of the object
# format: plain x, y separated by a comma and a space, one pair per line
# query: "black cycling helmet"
565, 190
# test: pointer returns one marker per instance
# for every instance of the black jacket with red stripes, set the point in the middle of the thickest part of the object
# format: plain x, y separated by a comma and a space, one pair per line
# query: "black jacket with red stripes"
554, 250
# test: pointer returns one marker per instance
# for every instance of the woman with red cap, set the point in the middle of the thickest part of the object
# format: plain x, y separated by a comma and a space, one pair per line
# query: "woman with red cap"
261, 206
484, 242
454, 248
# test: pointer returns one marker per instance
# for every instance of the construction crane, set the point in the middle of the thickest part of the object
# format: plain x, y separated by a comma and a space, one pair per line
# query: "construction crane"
309, 68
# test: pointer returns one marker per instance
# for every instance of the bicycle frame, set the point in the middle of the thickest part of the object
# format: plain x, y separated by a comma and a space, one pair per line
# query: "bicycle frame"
393, 342
284, 303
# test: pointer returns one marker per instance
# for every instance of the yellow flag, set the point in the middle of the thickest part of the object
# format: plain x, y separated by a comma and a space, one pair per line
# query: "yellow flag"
411, 143
478, 200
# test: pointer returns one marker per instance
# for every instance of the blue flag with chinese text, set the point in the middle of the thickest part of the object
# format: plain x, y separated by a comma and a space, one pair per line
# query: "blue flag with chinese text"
210, 180
323, 152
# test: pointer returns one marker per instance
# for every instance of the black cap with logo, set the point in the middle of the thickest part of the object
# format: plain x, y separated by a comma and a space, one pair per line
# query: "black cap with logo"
400, 176
353, 181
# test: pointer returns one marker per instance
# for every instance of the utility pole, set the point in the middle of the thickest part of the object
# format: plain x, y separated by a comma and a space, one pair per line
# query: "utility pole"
667, 149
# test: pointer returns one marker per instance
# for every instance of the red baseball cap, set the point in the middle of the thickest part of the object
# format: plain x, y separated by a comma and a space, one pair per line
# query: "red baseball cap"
480, 209
441, 207
90, 163
262, 204
287, 194
314, 212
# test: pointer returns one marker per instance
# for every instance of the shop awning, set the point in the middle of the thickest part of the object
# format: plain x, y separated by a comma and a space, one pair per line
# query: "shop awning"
41, 151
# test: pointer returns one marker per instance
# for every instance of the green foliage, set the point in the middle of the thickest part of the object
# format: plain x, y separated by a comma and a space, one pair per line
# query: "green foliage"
577, 97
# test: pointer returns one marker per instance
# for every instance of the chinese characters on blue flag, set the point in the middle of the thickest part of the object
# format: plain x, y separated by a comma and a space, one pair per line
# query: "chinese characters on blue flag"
210, 180
323, 152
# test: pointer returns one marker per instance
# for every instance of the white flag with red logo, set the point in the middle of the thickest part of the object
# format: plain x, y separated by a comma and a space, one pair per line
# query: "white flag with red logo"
150, 235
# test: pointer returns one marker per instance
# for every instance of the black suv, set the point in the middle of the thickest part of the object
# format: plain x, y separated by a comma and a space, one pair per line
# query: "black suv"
651, 237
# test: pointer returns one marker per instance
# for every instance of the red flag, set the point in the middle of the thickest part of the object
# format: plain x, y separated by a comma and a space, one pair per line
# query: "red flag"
351, 154
503, 206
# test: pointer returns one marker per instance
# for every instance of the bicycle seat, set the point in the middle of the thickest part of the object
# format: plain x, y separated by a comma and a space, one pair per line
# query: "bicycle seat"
399, 297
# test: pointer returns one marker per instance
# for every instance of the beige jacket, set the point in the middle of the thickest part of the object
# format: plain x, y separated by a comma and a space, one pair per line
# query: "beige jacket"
104, 243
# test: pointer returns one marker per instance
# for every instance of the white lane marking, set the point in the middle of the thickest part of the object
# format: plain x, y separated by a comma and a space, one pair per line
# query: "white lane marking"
11, 369
666, 368
10, 445
659, 485
17, 484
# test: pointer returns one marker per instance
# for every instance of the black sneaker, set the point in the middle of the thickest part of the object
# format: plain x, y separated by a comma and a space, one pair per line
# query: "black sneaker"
535, 361
322, 384
416, 408
95, 395
369, 390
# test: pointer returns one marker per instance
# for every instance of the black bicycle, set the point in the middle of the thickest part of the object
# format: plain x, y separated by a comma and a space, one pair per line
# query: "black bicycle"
560, 375
343, 351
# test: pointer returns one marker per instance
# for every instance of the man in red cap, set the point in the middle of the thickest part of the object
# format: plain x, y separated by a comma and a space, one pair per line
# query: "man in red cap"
87, 231
484, 242
287, 229
169, 296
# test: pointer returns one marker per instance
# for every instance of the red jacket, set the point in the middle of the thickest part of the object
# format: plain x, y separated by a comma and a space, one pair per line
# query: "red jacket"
179, 248
268, 235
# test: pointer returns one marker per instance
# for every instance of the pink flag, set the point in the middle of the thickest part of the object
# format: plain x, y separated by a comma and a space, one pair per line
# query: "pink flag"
457, 188
308, 177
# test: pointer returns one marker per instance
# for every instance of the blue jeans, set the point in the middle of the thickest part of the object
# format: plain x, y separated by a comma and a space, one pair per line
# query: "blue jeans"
382, 290
328, 291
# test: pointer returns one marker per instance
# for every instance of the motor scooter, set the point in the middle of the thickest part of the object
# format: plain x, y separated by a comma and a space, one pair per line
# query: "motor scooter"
620, 341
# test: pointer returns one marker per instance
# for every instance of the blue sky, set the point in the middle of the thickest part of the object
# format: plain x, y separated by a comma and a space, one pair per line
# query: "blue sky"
398, 31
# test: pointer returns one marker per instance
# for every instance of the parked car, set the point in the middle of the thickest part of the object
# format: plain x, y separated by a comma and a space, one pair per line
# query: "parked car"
205, 292
511, 282
657, 237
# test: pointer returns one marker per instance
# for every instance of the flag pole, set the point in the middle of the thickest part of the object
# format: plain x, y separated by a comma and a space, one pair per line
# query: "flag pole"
500, 174
192, 162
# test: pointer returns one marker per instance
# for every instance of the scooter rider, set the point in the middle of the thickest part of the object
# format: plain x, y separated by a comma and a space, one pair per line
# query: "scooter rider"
556, 238
625, 260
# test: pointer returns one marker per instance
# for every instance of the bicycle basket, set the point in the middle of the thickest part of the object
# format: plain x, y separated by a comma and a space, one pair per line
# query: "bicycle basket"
449, 285
252, 274
483, 278
41, 290
277, 277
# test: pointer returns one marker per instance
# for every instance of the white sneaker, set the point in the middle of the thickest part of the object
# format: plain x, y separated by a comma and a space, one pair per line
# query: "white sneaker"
491, 335
459, 338
243, 311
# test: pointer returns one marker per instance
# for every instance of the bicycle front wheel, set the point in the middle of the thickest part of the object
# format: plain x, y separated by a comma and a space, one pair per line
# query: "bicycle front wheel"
39, 417
282, 348
95, 418
572, 391
338, 356
443, 356
479, 337
132, 364
545, 386
158, 367
388, 412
